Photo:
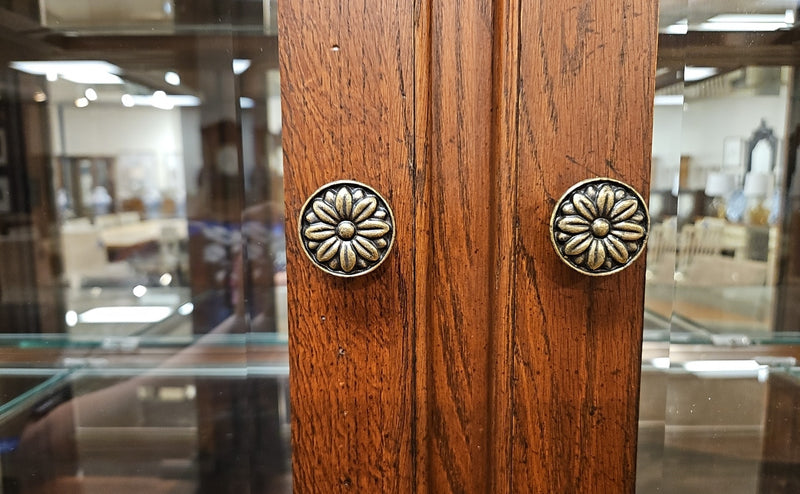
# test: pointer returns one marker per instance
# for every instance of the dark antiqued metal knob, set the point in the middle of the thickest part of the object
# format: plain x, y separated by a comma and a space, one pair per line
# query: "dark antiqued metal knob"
346, 228
600, 226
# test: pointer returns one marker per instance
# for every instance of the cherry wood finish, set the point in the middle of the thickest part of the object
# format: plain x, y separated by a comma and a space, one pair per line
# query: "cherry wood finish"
455, 245
347, 82
585, 110
472, 360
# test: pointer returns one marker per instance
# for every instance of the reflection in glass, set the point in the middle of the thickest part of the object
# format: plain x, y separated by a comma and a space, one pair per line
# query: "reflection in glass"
142, 287
730, 382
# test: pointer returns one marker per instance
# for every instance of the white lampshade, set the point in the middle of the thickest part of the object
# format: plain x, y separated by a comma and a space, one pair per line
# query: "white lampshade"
756, 184
720, 184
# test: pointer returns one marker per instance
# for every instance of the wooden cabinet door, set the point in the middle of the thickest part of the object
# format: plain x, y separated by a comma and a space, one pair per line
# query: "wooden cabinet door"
472, 359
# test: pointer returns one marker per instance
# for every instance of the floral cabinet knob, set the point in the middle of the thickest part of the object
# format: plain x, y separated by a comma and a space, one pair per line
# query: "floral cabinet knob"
346, 228
600, 226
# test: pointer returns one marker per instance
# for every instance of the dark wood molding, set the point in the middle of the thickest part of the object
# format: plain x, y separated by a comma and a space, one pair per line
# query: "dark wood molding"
728, 49
458, 218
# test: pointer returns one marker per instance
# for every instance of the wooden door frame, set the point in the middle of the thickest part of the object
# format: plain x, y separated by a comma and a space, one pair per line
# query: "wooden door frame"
472, 360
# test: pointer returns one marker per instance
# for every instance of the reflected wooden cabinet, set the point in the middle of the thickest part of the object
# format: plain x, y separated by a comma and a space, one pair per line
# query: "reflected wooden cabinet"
85, 186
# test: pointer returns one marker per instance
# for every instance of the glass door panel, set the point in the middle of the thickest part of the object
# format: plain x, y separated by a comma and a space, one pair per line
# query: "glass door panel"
725, 133
142, 288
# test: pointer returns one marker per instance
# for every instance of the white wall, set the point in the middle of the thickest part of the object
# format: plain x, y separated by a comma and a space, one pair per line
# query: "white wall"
666, 145
700, 129
147, 143
103, 130
192, 140
708, 122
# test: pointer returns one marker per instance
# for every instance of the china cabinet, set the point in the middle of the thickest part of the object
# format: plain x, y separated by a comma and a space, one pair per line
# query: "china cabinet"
375, 246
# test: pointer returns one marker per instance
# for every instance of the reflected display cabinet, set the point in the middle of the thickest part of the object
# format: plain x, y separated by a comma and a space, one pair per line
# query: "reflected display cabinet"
429, 247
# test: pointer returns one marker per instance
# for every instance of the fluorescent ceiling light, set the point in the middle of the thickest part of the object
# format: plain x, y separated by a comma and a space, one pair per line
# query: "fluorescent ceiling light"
742, 26
166, 101
691, 74
91, 78
748, 22
668, 100
71, 318
186, 309
165, 279
749, 18
172, 78
660, 362
161, 101
680, 27
125, 314
240, 65
77, 71
726, 368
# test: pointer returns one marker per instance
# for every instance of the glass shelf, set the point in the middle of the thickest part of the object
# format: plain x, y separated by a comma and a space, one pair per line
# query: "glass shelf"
59, 341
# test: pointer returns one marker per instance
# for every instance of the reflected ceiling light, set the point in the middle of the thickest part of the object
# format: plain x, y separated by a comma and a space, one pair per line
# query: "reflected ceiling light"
748, 22
90, 94
725, 368
165, 101
661, 362
39, 97
71, 318
186, 309
127, 100
172, 78
691, 74
165, 279
240, 65
274, 115
668, 100
160, 101
680, 27
246, 102
126, 314
77, 71
139, 291
81, 102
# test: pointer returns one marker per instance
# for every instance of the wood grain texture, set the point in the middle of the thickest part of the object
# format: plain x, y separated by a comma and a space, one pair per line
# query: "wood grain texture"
505, 201
585, 110
457, 217
472, 360
347, 88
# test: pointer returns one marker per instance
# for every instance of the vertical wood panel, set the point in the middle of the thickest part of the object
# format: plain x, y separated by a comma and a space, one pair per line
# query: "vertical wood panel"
505, 69
347, 89
473, 360
585, 110
458, 250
